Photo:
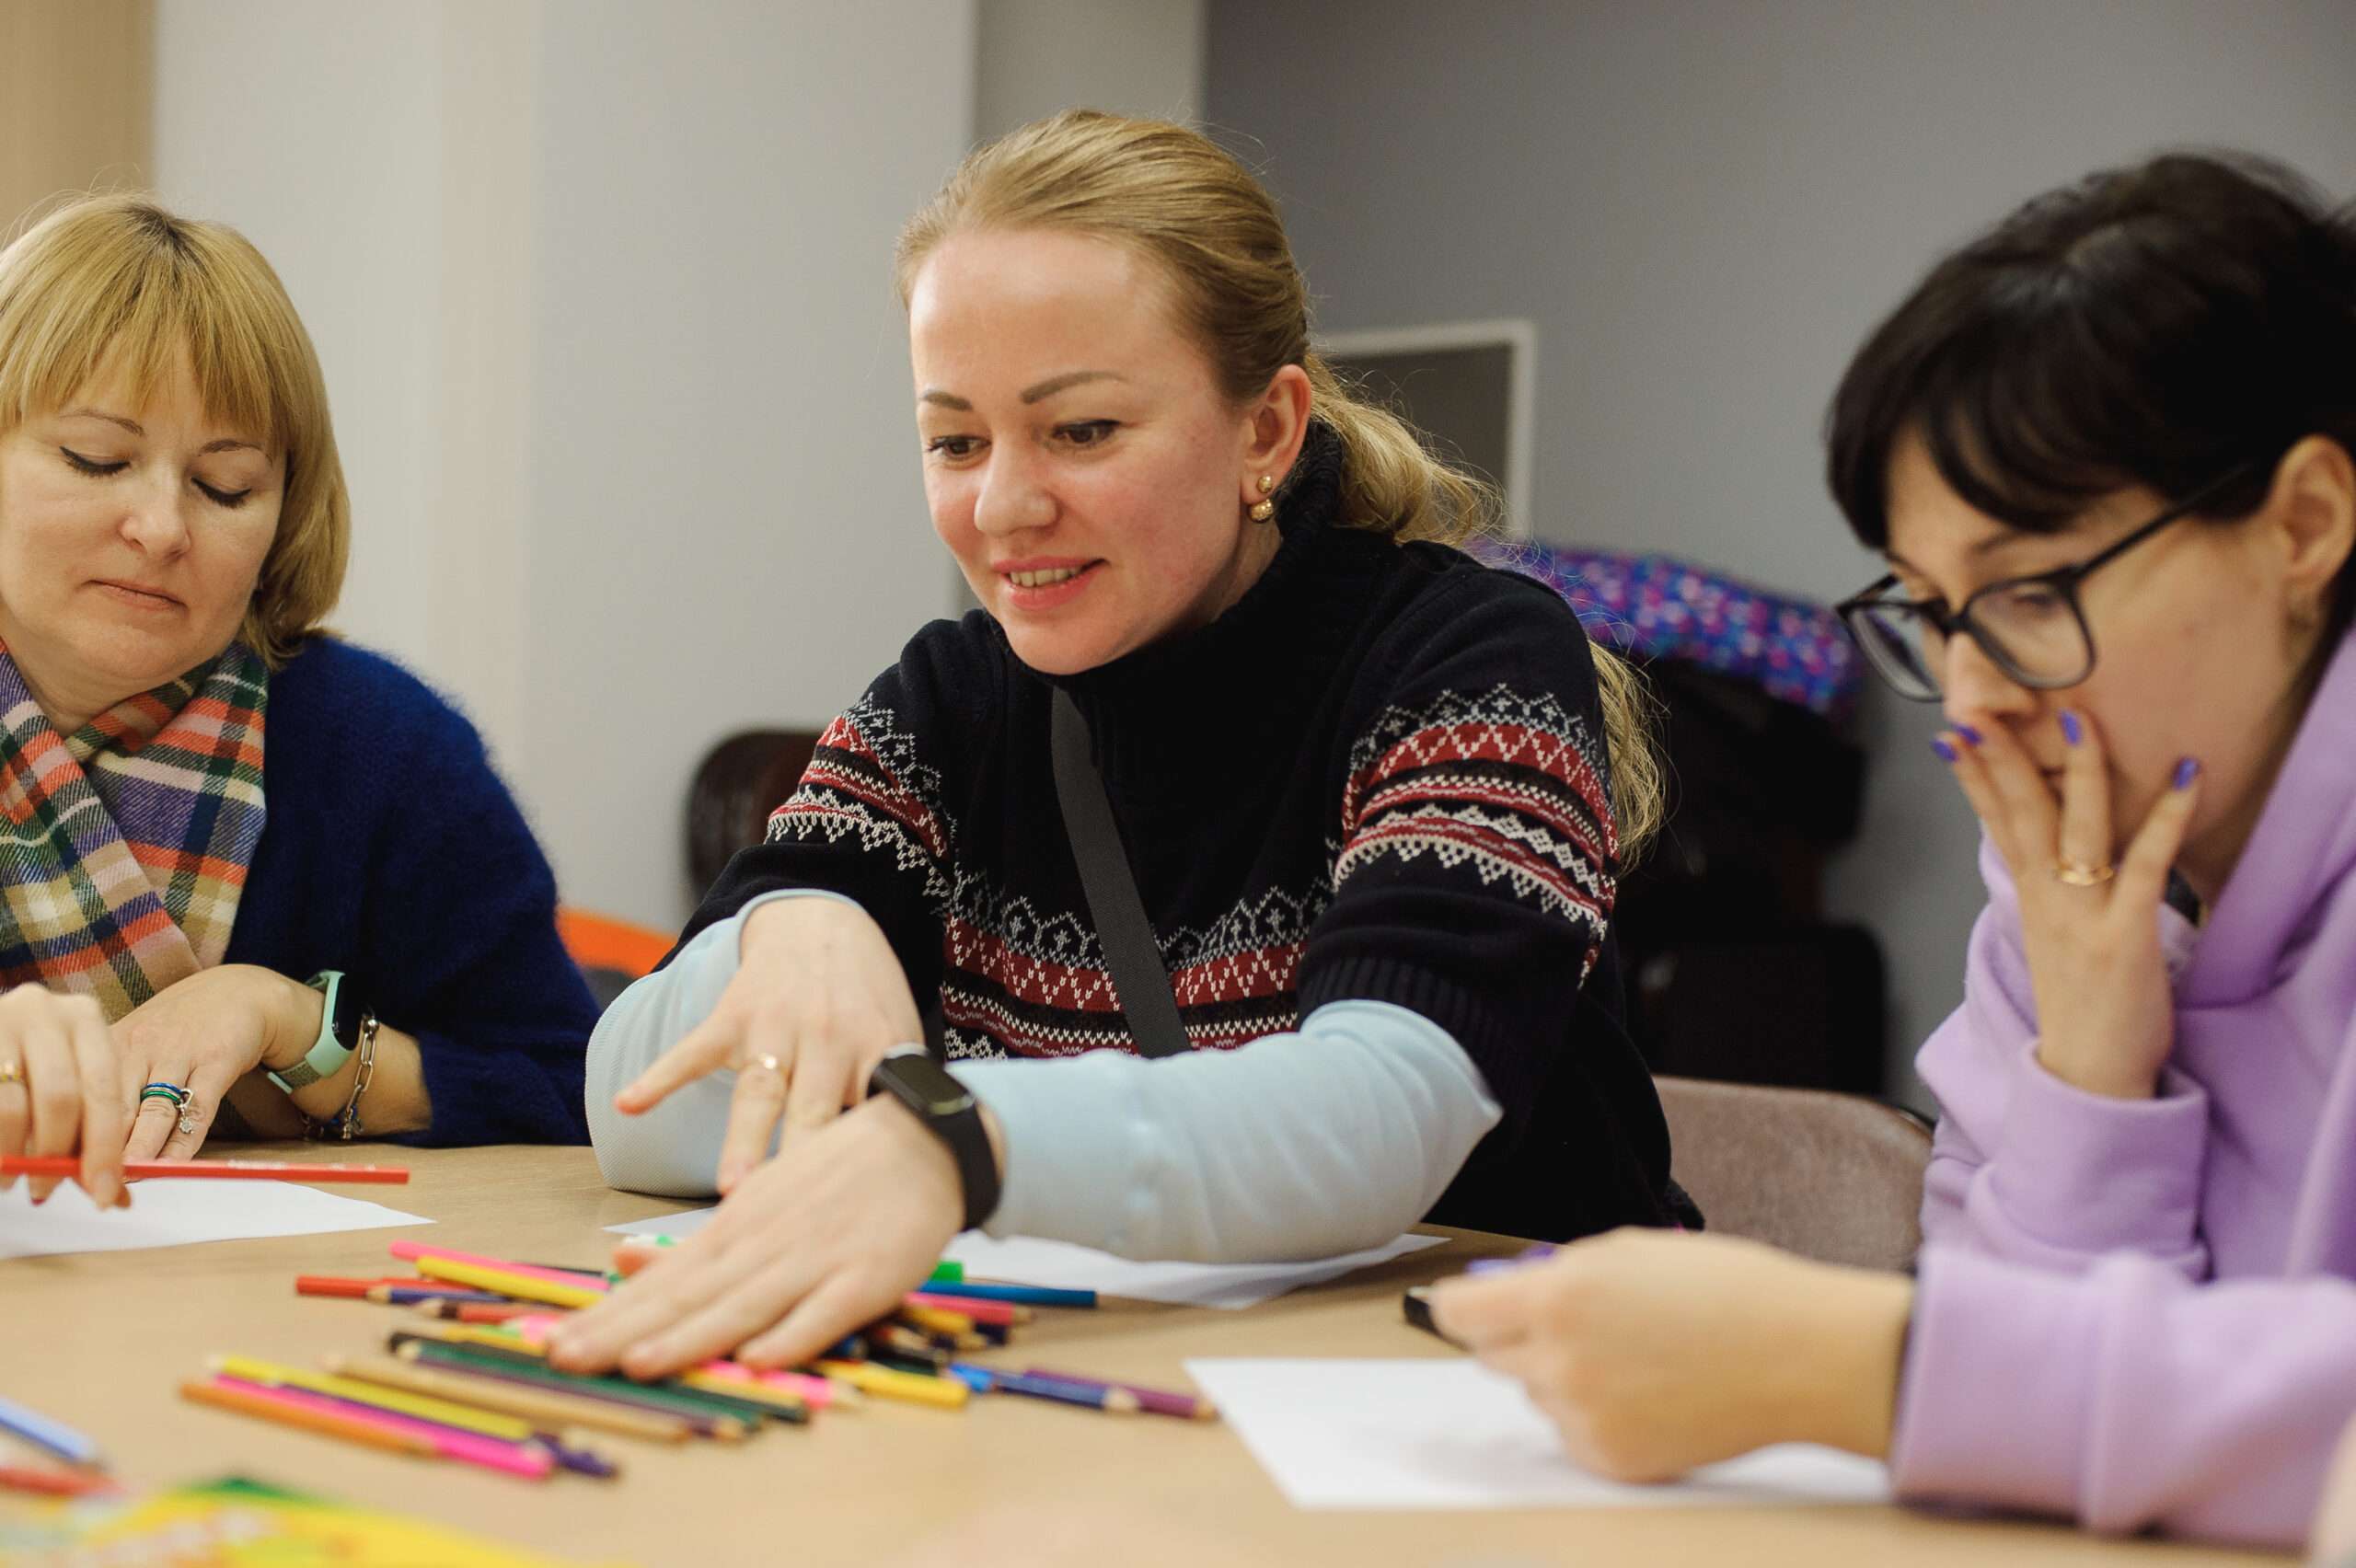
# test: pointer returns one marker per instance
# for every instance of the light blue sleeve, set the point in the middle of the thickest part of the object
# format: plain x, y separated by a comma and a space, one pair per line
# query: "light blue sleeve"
1301, 1145
674, 1149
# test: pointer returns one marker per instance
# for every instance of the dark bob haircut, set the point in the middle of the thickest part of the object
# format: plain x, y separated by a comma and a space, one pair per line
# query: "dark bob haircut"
2161, 325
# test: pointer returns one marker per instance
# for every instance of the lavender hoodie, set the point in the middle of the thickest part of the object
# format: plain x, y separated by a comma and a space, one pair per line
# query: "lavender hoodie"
2143, 1312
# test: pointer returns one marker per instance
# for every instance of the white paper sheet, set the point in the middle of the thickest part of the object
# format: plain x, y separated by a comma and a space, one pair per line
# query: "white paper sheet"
168, 1212
1449, 1432
1026, 1260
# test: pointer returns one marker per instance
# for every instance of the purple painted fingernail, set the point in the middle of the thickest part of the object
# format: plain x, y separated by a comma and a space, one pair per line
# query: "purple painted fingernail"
1970, 736
2187, 771
2071, 730
1939, 745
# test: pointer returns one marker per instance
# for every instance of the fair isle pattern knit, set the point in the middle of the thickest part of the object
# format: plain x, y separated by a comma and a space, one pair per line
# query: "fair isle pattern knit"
1509, 786
124, 847
1378, 775
1508, 783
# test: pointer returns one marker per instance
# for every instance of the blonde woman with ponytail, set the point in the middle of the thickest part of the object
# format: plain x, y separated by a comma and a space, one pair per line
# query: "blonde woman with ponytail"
1374, 796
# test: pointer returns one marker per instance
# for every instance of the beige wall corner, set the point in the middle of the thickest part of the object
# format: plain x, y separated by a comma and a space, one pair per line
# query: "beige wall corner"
77, 96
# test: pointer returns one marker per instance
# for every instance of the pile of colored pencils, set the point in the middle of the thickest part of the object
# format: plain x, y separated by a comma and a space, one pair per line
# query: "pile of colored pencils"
82, 1471
470, 1381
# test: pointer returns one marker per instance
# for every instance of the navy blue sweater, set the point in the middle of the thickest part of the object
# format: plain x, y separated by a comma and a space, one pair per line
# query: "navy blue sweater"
391, 851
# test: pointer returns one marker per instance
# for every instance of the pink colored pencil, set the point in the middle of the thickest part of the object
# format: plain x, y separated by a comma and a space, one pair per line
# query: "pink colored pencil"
514, 1459
415, 1249
816, 1392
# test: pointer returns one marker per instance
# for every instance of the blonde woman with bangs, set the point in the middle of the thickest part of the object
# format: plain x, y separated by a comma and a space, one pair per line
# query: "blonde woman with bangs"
251, 877
1373, 797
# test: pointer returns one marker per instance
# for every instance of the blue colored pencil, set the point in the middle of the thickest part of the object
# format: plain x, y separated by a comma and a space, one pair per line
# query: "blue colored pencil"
43, 1433
1028, 1294
1092, 1395
414, 1294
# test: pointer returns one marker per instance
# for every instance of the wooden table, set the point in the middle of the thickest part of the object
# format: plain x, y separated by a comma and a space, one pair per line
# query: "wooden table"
103, 1339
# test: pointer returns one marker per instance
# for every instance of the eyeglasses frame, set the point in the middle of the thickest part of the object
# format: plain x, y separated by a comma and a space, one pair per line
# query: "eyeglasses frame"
2064, 580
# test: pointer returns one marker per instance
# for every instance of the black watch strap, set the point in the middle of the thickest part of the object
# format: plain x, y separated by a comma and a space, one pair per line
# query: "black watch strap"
910, 1076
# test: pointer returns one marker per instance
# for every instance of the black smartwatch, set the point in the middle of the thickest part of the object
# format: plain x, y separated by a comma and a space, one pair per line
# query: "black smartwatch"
910, 1076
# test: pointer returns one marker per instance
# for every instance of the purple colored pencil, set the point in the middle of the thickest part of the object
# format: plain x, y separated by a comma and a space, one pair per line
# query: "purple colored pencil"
1161, 1401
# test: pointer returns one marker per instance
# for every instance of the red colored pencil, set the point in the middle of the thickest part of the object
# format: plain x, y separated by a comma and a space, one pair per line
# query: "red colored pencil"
358, 1289
53, 1482
249, 1169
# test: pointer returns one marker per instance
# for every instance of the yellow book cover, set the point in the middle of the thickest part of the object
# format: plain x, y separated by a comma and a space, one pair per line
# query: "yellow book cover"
244, 1524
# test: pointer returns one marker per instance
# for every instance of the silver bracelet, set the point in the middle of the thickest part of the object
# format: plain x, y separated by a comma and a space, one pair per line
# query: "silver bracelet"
347, 1121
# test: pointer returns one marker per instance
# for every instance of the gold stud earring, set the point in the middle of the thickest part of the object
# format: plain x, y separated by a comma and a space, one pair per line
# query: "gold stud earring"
1264, 509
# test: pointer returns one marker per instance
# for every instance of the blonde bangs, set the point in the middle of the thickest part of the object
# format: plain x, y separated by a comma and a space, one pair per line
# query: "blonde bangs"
117, 283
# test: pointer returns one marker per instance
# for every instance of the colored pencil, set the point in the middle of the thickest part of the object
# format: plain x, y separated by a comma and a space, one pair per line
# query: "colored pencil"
522, 1373
819, 1392
43, 1433
679, 1400
442, 1413
749, 1403
177, 1169
1094, 1396
286, 1412
544, 1408
416, 1252
1028, 1294
478, 1312
789, 1390
339, 1285
906, 1343
786, 1406
418, 1294
948, 1271
980, 1313
528, 1459
945, 1393
522, 1287
53, 1482
936, 1319
581, 1461
1159, 1401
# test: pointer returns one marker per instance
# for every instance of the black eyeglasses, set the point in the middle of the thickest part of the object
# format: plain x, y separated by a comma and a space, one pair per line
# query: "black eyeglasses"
2033, 628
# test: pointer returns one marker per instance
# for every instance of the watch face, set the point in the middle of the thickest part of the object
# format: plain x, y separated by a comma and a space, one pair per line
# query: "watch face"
936, 1092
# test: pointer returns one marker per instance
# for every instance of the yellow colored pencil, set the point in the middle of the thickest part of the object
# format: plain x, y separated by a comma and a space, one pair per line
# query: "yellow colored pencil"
888, 1382
761, 1393
519, 1287
467, 1418
534, 1404
938, 1320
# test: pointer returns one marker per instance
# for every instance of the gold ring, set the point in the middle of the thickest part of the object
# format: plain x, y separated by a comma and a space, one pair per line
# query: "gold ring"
12, 1072
768, 1064
2077, 873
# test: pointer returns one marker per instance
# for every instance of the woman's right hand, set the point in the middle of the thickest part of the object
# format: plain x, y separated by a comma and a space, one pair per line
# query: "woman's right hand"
65, 1091
818, 998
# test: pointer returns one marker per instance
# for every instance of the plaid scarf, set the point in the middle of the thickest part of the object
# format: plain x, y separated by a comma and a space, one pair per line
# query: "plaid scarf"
124, 845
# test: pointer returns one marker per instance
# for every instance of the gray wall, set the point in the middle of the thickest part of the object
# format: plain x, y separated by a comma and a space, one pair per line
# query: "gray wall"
1704, 204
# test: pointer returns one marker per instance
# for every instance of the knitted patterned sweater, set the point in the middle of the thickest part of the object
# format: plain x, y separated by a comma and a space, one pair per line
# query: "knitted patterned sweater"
1381, 775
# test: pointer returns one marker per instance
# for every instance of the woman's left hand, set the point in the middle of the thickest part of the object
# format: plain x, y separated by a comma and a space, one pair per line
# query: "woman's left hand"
1653, 1353
202, 1034
815, 1244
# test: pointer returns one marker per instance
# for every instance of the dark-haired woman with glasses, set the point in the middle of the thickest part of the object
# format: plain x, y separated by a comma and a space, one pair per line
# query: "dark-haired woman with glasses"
2105, 452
